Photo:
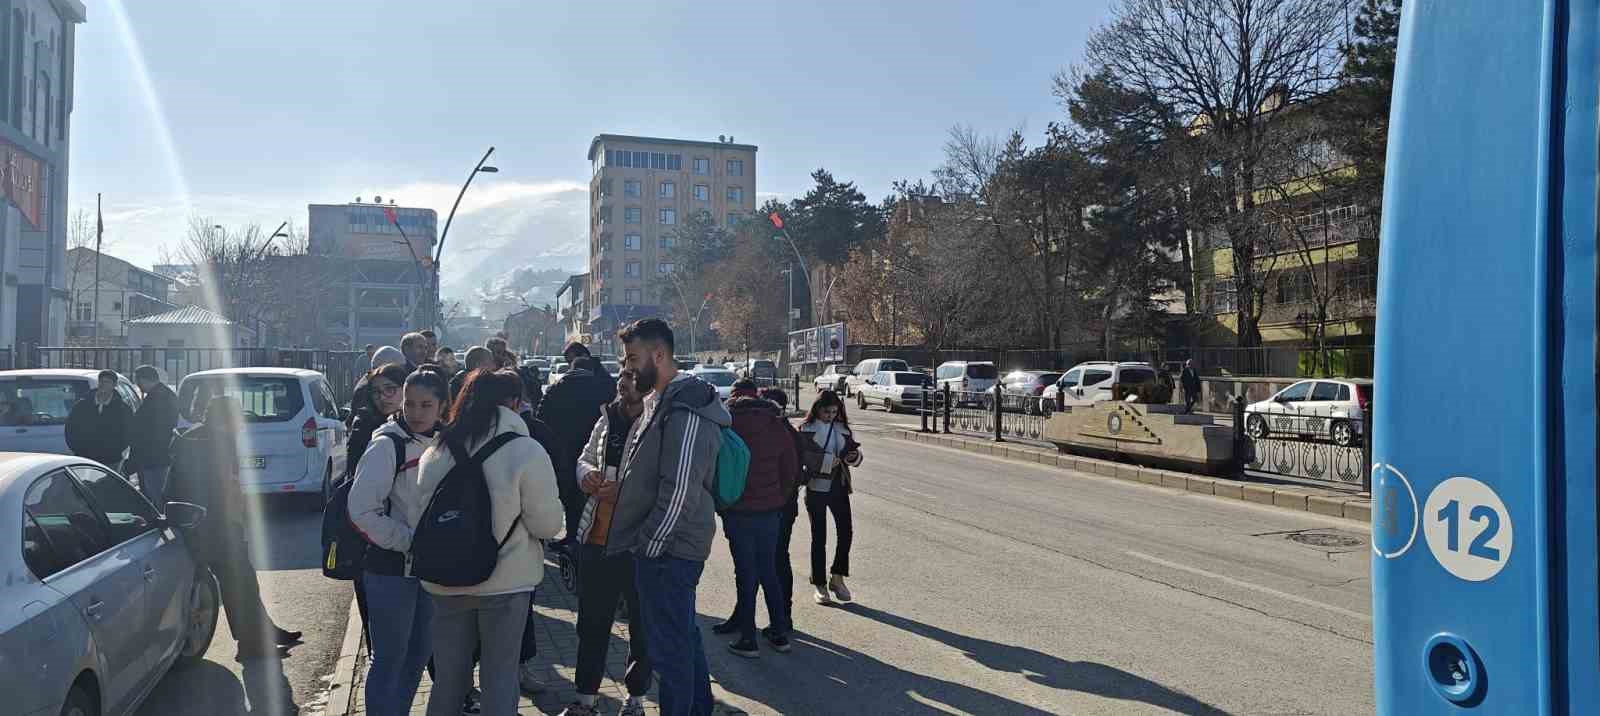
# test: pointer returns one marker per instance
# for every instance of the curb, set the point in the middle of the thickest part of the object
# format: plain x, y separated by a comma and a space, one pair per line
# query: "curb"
1349, 507
340, 694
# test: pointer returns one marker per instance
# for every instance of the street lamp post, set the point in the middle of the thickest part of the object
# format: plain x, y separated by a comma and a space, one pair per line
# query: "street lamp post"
439, 251
777, 222
789, 310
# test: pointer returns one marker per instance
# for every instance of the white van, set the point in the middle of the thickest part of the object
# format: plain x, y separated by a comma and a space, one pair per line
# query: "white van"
867, 368
294, 441
966, 376
1092, 381
34, 405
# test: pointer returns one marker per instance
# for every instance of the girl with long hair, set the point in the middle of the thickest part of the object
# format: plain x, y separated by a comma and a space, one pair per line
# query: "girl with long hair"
827, 452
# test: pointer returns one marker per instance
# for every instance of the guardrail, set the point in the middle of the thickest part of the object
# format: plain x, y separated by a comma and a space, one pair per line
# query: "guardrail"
1325, 449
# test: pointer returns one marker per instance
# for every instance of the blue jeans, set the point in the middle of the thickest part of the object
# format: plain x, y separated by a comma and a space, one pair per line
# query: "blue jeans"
399, 619
753, 537
666, 600
153, 483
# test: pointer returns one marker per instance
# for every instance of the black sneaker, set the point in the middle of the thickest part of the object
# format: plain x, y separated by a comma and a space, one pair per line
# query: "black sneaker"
727, 627
746, 648
473, 703
779, 642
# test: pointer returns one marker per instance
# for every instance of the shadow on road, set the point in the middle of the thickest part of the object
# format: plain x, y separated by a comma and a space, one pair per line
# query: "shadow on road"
210, 688
287, 533
1047, 670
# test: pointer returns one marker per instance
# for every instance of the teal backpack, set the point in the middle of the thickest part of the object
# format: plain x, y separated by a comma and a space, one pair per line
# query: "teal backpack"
733, 468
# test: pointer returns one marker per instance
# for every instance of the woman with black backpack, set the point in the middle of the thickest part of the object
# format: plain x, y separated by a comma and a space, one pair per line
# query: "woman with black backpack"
524, 507
384, 492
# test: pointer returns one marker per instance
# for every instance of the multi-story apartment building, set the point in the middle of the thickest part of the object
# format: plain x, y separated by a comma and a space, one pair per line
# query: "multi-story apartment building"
572, 302
380, 288
125, 292
642, 190
37, 39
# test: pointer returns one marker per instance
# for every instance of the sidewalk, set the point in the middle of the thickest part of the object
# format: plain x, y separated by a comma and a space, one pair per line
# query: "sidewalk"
555, 617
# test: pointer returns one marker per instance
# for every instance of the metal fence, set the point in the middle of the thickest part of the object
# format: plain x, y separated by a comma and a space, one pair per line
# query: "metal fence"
1288, 361
1305, 448
1017, 416
342, 368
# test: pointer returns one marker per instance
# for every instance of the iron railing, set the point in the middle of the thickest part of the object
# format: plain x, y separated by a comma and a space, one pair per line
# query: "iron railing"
1319, 448
1016, 416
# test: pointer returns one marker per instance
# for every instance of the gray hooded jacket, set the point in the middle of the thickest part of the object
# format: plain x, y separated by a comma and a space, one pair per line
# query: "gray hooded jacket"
664, 506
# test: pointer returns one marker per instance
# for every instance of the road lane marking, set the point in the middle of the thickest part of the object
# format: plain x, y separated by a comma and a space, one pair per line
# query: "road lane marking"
1249, 585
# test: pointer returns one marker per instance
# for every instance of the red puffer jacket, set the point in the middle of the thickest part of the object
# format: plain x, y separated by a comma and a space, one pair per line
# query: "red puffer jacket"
774, 466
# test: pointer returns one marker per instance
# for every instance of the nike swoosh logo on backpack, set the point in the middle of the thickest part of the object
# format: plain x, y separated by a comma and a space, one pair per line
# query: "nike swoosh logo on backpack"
448, 516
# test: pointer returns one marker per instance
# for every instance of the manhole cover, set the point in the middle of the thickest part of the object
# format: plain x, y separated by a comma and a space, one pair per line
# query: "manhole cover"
1329, 539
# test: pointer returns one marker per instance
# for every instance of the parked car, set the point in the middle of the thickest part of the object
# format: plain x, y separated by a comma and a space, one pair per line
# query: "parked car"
294, 439
895, 390
867, 368
1092, 381
1029, 386
612, 367
967, 377
541, 363
720, 378
34, 405
831, 379
684, 362
101, 597
556, 371
1335, 409
762, 369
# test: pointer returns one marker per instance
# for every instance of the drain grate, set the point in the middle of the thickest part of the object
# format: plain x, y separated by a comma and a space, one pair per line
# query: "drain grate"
1328, 539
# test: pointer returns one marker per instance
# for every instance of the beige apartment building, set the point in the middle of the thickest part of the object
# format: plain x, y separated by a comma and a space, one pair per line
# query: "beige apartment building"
642, 189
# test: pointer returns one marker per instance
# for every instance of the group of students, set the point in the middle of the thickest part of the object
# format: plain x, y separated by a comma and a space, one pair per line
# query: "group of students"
623, 469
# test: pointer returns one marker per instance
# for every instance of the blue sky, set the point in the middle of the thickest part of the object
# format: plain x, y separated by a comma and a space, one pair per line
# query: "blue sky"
247, 111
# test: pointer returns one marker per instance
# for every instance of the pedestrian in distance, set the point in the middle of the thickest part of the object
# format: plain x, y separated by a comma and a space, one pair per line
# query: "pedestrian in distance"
382, 504
571, 408
433, 341
791, 512
524, 508
446, 358
205, 471
606, 579
416, 349
476, 357
98, 424
150, 442
827, 452
1191, 386
752, 523
665, 513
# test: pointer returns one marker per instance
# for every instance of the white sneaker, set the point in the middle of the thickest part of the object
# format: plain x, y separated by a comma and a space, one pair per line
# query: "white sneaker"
633, 707
836, 583
820, 594
528, 677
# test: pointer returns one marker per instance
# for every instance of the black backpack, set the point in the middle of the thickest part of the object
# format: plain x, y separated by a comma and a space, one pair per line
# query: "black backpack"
344, 550
454, 544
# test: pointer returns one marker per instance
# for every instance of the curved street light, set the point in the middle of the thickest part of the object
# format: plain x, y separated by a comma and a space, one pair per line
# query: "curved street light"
439, 250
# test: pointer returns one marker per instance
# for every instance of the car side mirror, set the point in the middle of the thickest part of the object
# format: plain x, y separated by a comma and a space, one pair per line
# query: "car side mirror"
871, 382
184, 515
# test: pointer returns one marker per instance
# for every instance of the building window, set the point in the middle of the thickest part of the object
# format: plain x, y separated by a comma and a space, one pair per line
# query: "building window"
630, 296
622, 158
664, 242
735, 167
632, 215
702, 166
631, 269
736, 194
669, 216
658, 160
675, 162
668, 190
1224, 296
604, 269
630, 188
733, 219
631, 242
85, 311
665, 267
702, 192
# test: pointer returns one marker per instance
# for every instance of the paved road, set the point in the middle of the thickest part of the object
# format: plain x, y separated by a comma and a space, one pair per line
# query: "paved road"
298, 597
986, 586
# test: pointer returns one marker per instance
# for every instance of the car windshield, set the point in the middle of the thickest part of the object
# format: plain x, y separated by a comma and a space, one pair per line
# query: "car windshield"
982, 371
912, 379
892, 364
719, 378
40, 401
265, 399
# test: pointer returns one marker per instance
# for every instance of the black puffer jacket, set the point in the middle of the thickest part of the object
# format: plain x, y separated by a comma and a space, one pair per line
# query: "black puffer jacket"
570, 408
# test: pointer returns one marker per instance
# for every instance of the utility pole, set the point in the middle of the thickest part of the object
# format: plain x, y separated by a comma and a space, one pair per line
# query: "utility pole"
99, 233
789, 311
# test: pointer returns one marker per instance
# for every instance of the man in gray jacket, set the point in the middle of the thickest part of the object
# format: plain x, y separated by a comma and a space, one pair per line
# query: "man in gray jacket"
665, 514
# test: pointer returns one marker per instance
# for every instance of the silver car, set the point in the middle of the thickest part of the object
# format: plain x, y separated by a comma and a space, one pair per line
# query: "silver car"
100, 596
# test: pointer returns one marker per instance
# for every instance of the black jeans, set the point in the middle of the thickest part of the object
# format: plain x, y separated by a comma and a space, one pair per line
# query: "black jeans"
785, 570
603, 580
241, 594
818, 504
1189, 399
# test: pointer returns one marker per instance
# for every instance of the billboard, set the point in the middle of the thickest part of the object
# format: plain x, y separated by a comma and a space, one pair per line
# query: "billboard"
822, 344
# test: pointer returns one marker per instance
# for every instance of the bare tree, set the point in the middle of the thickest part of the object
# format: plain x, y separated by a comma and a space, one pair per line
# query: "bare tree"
1228, 66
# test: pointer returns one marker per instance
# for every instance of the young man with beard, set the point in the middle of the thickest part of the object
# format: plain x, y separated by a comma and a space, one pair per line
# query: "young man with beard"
665, 515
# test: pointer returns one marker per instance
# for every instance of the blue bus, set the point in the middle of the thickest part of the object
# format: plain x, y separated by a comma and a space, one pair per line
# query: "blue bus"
1484, 527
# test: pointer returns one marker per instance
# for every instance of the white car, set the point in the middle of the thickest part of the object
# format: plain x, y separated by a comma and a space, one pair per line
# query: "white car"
556, 371
1335, 409
831, 379
967, 377
101, 597
34, 405
720, 378
294, 441
1091, 382
869, 367
612, 367
895, 390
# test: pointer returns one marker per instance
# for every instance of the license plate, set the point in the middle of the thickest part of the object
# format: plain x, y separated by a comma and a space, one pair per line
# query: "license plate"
254, 463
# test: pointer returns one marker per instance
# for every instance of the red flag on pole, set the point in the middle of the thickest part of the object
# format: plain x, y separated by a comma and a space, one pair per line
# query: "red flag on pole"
388, 213
777, 221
